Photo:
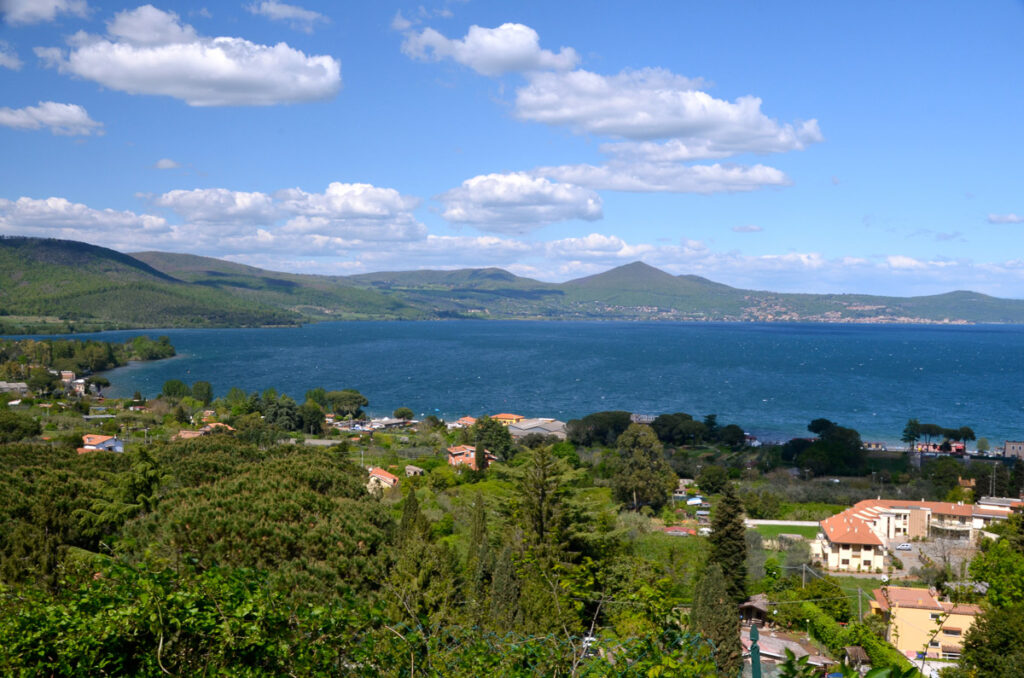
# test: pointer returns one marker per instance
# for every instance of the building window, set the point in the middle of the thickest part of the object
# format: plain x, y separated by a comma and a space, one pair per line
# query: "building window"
845, 561
934, 615
933, 643
951, 632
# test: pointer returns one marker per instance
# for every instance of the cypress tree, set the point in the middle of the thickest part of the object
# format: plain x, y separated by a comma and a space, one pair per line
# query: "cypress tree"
729, 543
505, 613
478, 561
715, 616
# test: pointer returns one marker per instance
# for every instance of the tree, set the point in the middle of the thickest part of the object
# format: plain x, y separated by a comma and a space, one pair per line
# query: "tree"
732, 435
966, 434
311, 418
203, 392
15, 426
403, 413
713, 479
930, 431
175, 388
643, 477
348, 402
911, 432
992, 645
729, 543
488, 434
983, 445
41, 382
318, 395
830, 597
714, 616
599, 428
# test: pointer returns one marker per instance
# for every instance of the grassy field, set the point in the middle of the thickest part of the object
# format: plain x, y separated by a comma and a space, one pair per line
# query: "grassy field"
772, 531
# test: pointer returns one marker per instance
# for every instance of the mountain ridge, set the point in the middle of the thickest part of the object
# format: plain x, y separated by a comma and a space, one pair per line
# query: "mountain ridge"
60, 285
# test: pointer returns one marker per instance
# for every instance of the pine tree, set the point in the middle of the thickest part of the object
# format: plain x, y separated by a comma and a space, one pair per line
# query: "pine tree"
715, 617
729, 542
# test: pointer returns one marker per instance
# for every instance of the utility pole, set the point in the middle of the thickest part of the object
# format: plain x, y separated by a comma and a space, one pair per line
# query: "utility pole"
859, 613
803, 575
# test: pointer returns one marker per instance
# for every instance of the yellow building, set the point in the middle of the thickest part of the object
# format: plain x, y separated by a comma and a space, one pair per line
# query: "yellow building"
920, 622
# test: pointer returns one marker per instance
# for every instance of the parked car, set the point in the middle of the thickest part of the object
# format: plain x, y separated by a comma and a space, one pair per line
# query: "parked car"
903, 547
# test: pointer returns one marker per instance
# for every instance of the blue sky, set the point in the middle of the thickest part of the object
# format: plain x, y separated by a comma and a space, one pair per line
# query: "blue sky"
817, 147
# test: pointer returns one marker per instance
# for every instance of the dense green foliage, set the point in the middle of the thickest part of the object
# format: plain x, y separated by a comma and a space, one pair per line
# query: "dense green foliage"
714, 615
80, 357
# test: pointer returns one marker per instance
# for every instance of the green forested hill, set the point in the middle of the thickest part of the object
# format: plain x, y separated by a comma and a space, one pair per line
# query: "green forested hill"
55, 285
66, 285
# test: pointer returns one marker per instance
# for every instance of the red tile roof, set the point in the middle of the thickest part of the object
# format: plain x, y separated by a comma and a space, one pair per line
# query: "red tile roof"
845, 529
389, 478
95, 438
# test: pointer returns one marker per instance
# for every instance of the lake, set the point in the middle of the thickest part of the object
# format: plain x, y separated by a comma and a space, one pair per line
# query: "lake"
770, 378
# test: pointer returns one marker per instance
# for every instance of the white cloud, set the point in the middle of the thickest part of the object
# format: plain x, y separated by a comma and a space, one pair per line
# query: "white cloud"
35, 11
901, 262
400, 23
149, 51
166, 164
8, 57
63, 119
653, 103
653, 177
345, 201
517, 202
598, 246
1005, 219
61, 218
297, 17
490, 51
219, 206
747, 229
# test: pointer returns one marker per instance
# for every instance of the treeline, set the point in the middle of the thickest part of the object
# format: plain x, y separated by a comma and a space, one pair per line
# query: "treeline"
604, 428
20, 358
216, 556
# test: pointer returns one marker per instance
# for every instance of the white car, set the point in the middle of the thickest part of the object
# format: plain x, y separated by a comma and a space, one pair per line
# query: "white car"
903, 547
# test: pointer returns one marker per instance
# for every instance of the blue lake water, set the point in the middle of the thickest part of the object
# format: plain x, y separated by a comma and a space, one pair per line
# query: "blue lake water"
770, 378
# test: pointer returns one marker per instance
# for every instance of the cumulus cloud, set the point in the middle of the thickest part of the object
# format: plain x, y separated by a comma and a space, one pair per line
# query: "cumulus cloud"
747, 229
8, 57
652, 177
1005, 219
63, 119
166, 164
219, 206
149, 51
36, 11
297, 17
488, 51
60, 218
654, 103
517, 202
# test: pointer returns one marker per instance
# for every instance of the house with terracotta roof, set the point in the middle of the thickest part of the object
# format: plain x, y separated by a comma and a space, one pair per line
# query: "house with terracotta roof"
919, 622
465, 455
381, 479
94, 442
506, 419
463, 422
847, 543
867, 526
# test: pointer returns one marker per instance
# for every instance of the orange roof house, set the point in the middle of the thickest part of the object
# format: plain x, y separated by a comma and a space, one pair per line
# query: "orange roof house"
506, 419
379, 478
91, 442
919, 622
465, 455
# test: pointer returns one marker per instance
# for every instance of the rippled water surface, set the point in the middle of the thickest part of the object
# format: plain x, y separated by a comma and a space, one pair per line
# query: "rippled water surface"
772, 379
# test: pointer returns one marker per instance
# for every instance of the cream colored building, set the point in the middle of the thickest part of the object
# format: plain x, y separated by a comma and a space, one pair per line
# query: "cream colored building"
855, 540
920, 622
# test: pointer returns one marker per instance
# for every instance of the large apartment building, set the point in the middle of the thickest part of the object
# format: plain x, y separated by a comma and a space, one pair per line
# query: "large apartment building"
855, 540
